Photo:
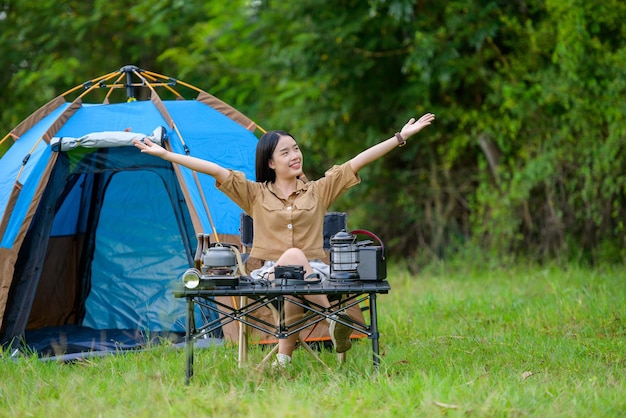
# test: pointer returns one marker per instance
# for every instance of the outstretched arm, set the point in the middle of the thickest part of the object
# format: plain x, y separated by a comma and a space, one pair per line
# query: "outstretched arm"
371, 154
193, 163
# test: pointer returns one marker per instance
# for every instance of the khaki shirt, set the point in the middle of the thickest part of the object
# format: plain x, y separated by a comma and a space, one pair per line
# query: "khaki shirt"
296, 221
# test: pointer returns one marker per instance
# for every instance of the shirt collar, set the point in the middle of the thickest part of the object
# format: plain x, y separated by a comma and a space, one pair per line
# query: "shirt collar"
300, 187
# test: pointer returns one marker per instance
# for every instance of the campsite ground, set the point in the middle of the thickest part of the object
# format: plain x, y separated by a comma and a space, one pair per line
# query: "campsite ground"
522, 341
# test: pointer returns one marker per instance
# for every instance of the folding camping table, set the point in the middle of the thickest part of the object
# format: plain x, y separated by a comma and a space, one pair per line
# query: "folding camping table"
254, 297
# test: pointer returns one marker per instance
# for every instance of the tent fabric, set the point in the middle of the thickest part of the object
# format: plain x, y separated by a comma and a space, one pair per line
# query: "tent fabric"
94, 239
71, 342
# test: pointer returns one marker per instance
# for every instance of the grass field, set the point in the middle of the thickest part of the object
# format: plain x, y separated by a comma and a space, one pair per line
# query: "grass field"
524, 341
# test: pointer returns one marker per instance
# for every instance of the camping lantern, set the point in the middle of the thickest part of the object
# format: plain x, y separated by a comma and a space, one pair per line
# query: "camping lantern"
344, 257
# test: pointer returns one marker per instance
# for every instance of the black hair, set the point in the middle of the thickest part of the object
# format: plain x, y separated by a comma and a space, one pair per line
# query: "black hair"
264, 151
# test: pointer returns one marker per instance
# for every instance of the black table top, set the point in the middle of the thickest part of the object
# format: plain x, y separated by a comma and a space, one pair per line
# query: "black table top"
249, 289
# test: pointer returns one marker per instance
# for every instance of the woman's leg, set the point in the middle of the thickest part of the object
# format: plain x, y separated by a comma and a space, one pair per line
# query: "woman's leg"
296, 257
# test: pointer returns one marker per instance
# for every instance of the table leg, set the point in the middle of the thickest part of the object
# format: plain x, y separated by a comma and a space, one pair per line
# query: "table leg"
282, 326
243, 335
341, 357
374, 330
189, 340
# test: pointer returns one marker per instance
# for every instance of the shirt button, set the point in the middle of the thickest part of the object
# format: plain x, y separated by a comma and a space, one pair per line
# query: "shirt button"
289, 226
288, 207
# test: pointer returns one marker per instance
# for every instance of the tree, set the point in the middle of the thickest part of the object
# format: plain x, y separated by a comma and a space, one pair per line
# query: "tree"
81, 40
527, 151
501, 168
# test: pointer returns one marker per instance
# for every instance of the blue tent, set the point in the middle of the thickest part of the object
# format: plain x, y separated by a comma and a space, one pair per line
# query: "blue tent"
93, 240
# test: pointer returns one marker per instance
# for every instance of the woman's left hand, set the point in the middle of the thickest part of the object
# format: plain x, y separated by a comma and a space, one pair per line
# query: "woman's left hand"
414, 126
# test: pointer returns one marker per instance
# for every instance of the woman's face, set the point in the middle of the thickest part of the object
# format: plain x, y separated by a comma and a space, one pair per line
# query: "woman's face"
286, 160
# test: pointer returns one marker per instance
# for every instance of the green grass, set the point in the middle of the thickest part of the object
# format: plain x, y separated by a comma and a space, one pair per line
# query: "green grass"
527, 341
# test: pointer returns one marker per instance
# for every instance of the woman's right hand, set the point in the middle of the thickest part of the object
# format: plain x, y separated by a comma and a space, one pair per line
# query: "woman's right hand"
148, 147
202, 166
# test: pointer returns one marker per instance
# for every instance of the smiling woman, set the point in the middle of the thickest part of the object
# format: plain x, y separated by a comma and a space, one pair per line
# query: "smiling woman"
278, 146
289, 212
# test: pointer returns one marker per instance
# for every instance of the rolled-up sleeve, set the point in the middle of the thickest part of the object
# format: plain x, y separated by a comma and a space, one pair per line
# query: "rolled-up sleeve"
336, 181
239, 189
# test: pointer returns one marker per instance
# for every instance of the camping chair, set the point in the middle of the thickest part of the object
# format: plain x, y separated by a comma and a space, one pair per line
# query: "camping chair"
333, 223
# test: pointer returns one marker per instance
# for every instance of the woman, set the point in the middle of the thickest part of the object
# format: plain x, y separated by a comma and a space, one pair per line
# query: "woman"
289, 213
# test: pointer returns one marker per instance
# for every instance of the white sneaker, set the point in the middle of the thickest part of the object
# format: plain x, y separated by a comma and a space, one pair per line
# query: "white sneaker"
282, 361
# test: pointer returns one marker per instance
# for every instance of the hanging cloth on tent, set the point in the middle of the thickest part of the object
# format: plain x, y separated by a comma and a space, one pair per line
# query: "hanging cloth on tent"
106, 140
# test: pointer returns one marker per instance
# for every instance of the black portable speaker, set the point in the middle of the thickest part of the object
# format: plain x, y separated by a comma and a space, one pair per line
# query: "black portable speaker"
372, 263
372, 266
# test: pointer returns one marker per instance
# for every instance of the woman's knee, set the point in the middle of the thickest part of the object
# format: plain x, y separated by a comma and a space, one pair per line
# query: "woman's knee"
293, 256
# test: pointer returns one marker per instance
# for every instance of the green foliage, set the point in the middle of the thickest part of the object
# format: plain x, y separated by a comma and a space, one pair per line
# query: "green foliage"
560, 164
525, 158
50, 46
